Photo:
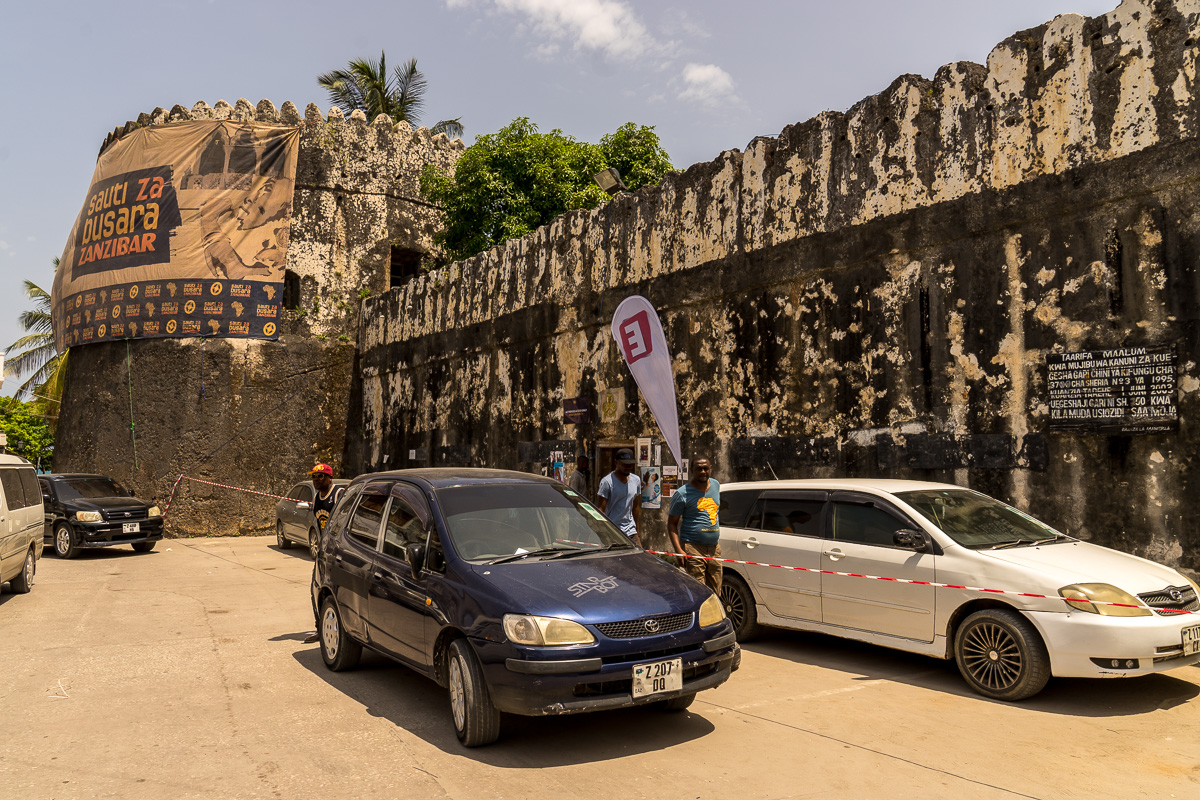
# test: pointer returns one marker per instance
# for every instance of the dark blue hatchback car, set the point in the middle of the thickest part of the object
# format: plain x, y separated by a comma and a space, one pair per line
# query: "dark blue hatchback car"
516, 594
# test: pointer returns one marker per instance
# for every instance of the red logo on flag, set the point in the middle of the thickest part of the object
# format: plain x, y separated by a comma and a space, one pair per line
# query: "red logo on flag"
635, 337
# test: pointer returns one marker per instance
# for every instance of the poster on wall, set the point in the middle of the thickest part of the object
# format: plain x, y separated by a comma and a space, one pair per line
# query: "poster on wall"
643, 453
183, 232
652, 487
670, 480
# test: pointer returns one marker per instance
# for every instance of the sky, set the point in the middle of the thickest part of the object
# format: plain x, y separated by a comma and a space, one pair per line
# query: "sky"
710, 75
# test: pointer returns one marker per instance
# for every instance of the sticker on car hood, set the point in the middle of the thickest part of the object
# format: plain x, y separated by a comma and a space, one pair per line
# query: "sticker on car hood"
601, 585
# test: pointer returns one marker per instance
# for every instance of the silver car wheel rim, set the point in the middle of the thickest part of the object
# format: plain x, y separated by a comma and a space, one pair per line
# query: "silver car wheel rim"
992, 657
279, 533
329, 632
312, 543
458, 699
29, 569
734, 608
62, 540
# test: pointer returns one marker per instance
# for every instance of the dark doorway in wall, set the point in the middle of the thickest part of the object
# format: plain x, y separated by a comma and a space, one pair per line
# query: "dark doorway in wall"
291, 289
405, 265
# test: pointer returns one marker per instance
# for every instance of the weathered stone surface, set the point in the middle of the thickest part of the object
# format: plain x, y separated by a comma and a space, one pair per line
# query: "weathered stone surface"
356, 197
870, 293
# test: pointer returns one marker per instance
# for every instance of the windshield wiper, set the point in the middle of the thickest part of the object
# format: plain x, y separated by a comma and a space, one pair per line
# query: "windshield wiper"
585, 550
515, 556
1017, 542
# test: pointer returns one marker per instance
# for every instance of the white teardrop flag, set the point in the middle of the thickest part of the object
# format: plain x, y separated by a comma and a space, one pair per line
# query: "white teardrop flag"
639, 335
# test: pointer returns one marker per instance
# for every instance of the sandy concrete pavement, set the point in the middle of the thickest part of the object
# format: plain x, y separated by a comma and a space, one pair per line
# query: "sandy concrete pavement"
182, 673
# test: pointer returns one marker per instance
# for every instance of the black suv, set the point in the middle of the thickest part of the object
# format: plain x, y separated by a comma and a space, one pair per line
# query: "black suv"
96, 511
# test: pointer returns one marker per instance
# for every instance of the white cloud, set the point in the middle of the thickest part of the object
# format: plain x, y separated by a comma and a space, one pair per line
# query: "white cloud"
609, 27
707, 84
3, 245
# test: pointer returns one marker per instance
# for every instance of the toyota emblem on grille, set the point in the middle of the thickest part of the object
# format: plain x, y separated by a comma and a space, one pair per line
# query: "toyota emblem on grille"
1176, 595
652, 626
128, 514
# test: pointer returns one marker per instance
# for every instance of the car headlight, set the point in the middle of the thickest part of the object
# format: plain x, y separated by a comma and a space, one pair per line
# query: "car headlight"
711, 611
154, 511
545, 631
88, 516
1080, 596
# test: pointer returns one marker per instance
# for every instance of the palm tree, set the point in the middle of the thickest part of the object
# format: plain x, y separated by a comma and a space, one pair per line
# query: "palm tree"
36, 352
366, 86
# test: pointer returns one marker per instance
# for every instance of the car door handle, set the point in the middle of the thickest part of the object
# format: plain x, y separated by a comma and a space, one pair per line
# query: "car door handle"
752, 542
377, 575
835, 554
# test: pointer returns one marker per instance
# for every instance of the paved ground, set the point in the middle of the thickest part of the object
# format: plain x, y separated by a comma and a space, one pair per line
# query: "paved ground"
182, 673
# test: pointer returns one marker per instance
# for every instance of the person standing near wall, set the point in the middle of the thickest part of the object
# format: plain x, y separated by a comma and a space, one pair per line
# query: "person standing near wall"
693, 527
620, 496
327, 495
581, 477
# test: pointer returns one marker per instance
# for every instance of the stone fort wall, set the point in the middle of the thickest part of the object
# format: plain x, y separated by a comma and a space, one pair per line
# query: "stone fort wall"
258, 414
870, 293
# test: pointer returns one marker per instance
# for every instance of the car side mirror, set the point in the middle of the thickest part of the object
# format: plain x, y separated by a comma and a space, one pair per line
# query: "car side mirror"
914, 540
303, 505
415, 555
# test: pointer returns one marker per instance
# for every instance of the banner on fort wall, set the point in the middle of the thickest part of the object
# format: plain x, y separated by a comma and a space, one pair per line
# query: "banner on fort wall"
184, 232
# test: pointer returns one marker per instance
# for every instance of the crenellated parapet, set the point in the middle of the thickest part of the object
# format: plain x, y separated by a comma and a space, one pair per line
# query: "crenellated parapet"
1072, 92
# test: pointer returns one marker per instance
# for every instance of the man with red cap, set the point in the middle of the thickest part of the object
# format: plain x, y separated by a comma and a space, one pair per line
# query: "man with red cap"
327, 495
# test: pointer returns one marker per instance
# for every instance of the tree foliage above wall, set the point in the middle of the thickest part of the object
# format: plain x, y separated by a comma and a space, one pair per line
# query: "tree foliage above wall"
29, 433
512, 182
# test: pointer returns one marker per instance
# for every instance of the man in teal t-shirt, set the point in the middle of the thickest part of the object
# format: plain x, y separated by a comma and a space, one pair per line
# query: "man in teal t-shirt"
693, 527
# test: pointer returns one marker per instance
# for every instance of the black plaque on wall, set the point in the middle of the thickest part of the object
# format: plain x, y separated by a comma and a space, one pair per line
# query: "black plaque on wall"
1130, 390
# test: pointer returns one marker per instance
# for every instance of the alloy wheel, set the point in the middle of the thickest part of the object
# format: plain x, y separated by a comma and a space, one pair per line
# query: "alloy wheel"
28, 569
735, 606
992, 656
458, 695
62, 540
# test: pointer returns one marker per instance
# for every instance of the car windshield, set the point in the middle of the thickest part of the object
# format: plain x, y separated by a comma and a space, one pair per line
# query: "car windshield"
512, 522
976, 520
75, 488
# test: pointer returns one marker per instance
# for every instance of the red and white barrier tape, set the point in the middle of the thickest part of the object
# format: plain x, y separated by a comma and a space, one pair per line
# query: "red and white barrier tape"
237, 488
760, 564
181, 478
918, 583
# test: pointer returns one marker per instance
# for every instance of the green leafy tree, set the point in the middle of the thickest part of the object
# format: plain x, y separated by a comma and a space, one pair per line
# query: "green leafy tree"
29, 433
35, 354
366, 86
634, 151
511, 182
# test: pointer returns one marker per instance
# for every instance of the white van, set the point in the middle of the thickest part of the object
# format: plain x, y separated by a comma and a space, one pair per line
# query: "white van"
21, 522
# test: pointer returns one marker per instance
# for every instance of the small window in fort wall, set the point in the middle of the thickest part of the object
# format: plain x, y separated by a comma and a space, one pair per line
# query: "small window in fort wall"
405, 265
291, 289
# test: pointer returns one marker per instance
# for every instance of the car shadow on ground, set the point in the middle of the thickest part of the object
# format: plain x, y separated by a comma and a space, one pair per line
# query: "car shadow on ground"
296, 550
418, 705
1077, 697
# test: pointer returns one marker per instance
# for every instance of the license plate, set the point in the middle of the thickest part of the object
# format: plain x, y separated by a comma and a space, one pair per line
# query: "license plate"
1191, 640
657, 677
131, 527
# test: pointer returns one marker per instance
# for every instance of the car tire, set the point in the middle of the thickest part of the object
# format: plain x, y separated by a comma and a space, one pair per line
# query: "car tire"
677, 703
738, 601
1001, 655
476, 720
143, 547
64, 541
22, 582
338, 650
314, 543
282, 540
